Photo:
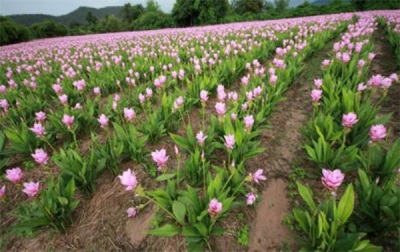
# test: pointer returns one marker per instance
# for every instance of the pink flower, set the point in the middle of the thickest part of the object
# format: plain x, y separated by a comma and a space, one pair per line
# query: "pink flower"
31, 188
160, 157
361, 63
68, 120
4, 104
371, 56
386, 83
318, 83
103, 120
229, 141
142, 98
273, 79
128, 179
375, 80
348, 120
129, 114
57, 88
361, 87
201, 137
233, 116
214, 207
251, 198
377, 132
178, 102
220, 108
257, 176
96, 91
2, 191
249, 121
38, 129
316, 95
40, 116
176, 149
78, 106
203, 96
332, 179
131, 212
394, 77
63, 99
345, 57
149, 92
245, 80
40, 156
15, 175
326, 63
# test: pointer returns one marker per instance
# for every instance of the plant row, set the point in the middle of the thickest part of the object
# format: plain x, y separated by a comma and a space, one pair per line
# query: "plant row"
347, 141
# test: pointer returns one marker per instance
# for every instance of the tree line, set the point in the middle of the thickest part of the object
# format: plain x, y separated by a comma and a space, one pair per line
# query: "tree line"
185, 13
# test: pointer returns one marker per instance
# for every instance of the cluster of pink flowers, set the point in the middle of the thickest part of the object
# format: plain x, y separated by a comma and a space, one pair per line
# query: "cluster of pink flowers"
16, 175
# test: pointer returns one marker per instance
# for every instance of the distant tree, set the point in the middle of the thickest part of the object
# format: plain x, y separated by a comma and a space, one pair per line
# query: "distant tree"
49, 29
269, 5
185, 13
281, 5
90, 18
11, 33
130, 13
152, 5
212, 11
74, 24
110, 23
153, 20
248, 6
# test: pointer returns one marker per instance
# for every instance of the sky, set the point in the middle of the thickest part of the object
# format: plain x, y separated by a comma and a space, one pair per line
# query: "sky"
61, 7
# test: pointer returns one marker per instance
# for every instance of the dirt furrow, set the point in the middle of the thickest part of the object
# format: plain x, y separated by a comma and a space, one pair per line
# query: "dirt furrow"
283, 140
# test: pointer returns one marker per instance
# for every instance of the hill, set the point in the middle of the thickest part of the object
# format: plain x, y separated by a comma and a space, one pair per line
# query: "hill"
77, 15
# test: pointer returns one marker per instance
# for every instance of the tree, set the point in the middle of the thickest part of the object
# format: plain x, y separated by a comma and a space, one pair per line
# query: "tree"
153, 20
130, 13
281, 5
110, 23
49, 29
90, 18
212, 11
248, 6
152, 6
11, 33
185, 13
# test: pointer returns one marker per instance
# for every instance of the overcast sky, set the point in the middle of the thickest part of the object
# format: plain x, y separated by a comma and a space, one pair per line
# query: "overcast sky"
60, 7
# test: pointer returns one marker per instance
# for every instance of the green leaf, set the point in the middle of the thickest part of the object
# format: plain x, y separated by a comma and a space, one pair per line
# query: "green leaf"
179, 210
164, 177
63, 201
346, 205
168, 230
306, 194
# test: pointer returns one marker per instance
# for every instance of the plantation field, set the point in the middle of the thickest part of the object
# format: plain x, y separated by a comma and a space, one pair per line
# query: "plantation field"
261, 136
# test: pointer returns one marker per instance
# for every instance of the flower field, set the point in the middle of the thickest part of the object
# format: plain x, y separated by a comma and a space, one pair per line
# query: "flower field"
261, 136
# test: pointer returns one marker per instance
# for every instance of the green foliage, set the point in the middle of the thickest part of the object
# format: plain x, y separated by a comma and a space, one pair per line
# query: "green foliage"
83, 169
49, 29
21, 139
324, 225
110, 24
153, 20
53, 208
11, 33
3, 159
134, 145
111, 151
243, 236
379, 209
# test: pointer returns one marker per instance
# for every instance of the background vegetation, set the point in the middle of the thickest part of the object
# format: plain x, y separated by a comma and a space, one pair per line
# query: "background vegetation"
185, 13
